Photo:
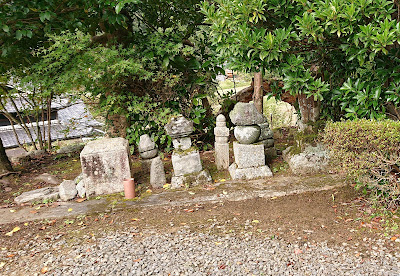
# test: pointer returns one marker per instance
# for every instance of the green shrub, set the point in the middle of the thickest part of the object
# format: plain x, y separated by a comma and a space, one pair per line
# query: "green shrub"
369, 152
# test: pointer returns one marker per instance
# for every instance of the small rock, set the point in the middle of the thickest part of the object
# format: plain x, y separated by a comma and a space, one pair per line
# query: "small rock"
67, 190
246, 114
48, 178
179, 127
80, 187
71, 148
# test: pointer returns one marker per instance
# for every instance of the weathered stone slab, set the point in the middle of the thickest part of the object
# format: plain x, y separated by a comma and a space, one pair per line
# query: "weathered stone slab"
311, 160
182, 143
222, 155
157, 173
191, 180
249, 173
248, 156
105, 163
48, 178
186, 162
67, 190
246, 114
179, 127
39, 195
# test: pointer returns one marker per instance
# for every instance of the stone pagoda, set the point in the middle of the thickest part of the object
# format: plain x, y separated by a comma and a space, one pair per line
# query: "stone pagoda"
253, 138
188, 170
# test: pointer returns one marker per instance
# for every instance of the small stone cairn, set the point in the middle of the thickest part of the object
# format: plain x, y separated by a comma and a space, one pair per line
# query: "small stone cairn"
221, 146
253, 137
186, 162
151, 161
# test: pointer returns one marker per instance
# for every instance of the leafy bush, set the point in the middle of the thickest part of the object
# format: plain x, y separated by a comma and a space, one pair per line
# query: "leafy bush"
369, 151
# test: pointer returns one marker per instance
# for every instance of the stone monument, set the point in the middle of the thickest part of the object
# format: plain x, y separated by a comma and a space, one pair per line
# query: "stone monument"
151, 161
186, 162
221, 146
253, 137
105, 164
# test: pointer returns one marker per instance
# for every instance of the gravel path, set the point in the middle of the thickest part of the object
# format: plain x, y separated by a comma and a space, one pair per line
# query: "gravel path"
190, 253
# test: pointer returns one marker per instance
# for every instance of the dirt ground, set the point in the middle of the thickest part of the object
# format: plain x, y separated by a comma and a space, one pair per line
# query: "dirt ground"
339, 217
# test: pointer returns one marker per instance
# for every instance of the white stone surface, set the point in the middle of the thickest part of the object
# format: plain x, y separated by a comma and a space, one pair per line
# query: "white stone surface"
105, 164
67, 190
80, 187
157, 173
249, 156
186, 163
48, 178
249, 173
247, 134
182, 143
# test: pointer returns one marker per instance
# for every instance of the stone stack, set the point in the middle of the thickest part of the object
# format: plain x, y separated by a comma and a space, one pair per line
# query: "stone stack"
186, 162
221, 146
152, 162
253, 137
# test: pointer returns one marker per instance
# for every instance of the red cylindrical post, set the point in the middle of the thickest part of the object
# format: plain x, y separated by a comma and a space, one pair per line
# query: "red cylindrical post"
129, 188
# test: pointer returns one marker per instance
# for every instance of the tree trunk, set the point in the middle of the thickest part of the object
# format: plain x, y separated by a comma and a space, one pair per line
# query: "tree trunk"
5, 165
309, 110
258, 91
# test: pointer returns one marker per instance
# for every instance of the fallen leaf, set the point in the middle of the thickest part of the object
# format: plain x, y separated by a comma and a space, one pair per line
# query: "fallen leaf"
44, 270
275, 197
137, 260
222, 180
16, 229
218, 243
255, 221
222, 266
149, 191
79, 200
2, 264
393, 238
11, 255
135, 219
188, 210
70, 209
224, 192
236, 214
33, 211
192, 193
167, 186
12, 211
26, 224
298, 251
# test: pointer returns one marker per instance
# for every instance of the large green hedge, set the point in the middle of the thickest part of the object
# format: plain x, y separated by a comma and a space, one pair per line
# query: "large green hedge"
369, 151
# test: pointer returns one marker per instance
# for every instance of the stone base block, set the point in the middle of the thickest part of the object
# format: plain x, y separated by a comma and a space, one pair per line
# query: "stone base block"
222, 156
249, 156
249, 173
105, 164
190, 180
186, 162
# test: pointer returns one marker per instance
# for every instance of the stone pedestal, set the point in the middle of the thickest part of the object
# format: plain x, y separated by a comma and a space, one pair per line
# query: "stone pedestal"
249, 173
186, 162
105, 164
190, 180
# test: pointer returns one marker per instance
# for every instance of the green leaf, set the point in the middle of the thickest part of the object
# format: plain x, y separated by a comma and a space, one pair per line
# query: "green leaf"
6, 28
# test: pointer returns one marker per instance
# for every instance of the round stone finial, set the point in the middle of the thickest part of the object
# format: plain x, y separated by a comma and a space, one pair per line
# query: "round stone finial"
221, 118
